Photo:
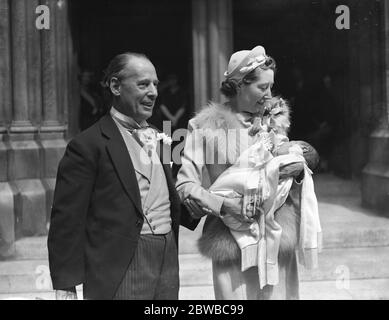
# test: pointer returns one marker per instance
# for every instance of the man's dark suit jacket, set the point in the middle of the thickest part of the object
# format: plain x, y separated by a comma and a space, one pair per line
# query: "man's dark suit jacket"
96, 216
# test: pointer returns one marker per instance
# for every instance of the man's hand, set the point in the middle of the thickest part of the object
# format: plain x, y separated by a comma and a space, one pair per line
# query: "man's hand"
68, 294
195, 210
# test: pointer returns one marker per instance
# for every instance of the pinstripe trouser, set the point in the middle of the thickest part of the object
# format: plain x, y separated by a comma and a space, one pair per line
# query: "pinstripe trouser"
153, 271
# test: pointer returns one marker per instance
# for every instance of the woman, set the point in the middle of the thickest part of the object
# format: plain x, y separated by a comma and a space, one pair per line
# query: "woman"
218, 136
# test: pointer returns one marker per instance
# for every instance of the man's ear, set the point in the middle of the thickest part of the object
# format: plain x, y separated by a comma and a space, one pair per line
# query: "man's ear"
114, 86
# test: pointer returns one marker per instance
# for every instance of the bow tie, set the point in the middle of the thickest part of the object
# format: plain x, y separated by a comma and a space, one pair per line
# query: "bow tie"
133, 130
126, 121
134, 126
146, 137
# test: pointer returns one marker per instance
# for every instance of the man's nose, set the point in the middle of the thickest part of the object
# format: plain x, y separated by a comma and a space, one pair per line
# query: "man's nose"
153, 91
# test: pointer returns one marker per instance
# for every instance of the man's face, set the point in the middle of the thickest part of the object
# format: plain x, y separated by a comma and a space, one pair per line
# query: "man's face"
138, 90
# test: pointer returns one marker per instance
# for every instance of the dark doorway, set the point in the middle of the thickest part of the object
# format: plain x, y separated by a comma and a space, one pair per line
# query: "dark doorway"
161, 29
312, 58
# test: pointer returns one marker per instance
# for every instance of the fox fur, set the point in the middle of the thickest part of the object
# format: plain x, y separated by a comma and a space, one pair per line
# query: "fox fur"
217, 241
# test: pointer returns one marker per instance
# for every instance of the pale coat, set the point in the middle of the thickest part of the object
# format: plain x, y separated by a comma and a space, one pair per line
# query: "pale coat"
202, 163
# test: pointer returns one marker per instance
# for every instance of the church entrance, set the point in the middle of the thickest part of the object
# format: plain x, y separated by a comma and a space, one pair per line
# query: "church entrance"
327, 74
160, 29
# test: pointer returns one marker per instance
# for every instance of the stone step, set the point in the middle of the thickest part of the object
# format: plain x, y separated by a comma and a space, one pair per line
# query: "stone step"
342, 231
357, 289
345, 225
353, 263
24, 276
329, 185
31, 248
34, 295
195, 270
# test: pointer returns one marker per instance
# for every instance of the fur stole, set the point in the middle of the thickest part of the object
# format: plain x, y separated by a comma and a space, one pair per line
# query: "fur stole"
216, 116
216, 241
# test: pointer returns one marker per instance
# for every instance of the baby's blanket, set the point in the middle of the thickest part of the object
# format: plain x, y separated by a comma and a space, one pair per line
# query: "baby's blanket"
255, 176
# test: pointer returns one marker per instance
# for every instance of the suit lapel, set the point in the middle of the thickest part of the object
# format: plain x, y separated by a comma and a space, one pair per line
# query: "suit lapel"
173, 196
121, 160
139, 158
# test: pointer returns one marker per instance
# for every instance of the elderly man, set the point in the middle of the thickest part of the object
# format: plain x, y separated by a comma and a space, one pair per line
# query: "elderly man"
116, 214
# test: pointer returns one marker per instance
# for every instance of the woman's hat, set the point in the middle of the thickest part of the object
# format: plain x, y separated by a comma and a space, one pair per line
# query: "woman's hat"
244, 61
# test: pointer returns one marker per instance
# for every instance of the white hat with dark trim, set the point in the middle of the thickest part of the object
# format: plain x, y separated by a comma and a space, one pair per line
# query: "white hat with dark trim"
244, 61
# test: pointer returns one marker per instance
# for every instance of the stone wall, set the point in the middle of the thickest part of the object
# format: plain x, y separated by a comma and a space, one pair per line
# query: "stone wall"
35, 78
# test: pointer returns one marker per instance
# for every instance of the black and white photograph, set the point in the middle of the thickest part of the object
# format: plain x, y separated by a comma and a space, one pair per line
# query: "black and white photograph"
194, 150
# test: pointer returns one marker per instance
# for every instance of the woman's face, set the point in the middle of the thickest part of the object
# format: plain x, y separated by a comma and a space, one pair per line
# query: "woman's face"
251, 97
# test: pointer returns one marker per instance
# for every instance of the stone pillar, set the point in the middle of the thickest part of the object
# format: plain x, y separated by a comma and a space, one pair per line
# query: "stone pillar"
212, 47
33, 113
20, 115
5, 70
55, 95
7, 220
71, 113
24, 150
49, 75
34, 65
375, 175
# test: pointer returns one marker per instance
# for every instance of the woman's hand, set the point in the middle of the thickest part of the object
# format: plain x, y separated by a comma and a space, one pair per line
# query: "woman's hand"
294, 170
284, 148
309, 153
233, 207
230, 206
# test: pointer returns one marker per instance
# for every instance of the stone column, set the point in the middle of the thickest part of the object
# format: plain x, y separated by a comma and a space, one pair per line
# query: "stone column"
71, 112
361, 126
49, 74
219, 43
34, 65
55, 94
7, 220
5, 70
34, 81
23, 154
199, 39
375, 175
212, 46
20, 115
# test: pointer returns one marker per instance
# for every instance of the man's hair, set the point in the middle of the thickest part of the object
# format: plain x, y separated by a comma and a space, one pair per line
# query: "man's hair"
117, 67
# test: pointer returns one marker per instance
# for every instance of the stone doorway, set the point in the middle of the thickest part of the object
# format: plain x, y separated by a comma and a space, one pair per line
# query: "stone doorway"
102, 29
330, 76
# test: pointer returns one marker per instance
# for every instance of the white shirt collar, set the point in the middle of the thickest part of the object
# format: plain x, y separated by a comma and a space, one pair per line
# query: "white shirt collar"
127, 121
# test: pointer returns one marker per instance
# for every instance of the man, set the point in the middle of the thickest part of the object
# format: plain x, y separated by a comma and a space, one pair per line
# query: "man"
115, 216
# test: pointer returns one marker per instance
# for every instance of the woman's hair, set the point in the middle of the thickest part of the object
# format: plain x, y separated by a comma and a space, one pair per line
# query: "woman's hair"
229, 87
117, 67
